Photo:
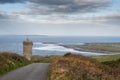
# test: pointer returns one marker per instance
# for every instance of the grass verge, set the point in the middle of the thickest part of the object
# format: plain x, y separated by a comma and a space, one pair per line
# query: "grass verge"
11, 61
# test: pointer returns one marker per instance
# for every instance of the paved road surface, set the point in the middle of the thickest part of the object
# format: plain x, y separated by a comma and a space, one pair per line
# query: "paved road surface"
35, 71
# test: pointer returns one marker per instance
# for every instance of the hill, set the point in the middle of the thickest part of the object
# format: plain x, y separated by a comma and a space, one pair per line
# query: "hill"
11, 61
76, 67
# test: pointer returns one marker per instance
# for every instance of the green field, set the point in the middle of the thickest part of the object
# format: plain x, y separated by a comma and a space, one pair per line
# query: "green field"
107, 58
100, 47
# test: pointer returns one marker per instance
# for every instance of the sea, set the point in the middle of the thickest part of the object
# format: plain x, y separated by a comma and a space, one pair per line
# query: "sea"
44, 45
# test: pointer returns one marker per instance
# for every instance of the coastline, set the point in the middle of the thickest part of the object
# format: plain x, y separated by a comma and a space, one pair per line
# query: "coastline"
86, 50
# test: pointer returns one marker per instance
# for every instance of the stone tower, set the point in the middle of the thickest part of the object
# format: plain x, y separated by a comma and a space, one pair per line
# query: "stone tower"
27, 49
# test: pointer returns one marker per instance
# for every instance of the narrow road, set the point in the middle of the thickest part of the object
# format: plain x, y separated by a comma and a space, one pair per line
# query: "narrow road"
35, 71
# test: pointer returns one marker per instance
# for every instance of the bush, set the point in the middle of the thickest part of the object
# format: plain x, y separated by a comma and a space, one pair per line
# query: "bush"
67, 54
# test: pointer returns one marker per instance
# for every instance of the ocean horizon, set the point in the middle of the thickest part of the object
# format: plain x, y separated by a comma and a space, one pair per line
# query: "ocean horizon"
50, 45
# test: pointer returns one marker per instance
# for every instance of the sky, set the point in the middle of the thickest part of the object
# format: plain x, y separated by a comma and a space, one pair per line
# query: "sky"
60, 17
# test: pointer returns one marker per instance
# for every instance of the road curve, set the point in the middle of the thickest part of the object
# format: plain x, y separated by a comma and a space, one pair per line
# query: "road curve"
35, 71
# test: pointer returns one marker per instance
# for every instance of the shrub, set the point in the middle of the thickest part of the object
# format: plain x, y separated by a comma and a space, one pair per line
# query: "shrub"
67, 54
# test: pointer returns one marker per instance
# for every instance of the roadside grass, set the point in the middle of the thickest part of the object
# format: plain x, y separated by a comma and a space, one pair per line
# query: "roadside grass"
49, 73
11, 61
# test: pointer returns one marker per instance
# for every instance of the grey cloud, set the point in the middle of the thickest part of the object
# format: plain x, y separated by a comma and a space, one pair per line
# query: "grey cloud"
62, 6
7, 17
67, 6
113, 19
109, 19
12, 1
3, 15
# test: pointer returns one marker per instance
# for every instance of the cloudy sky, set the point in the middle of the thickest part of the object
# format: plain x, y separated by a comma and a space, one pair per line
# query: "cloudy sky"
60, 17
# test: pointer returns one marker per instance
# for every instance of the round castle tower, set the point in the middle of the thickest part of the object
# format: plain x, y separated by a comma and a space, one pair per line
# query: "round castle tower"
27, 49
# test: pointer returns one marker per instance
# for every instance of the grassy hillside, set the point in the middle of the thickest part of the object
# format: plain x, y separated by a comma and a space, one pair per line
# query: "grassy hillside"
76, 67
11, 61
